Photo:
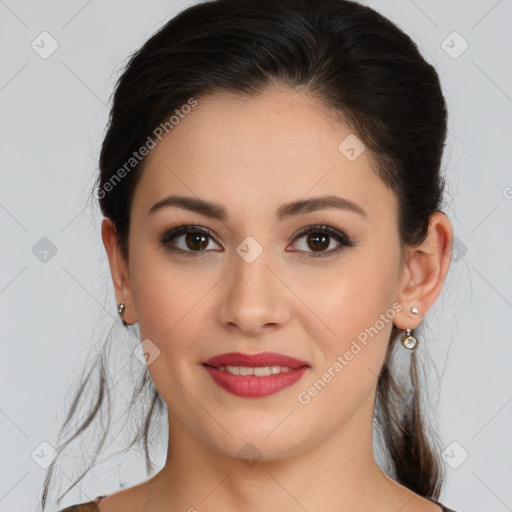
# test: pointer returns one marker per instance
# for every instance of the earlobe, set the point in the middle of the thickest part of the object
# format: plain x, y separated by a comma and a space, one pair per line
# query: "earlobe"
118, 269
425, 271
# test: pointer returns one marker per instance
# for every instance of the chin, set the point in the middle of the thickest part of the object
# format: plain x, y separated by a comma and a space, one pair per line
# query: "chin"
268, 439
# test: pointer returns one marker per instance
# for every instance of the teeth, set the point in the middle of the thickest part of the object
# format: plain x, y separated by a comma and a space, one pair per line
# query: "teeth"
259, 371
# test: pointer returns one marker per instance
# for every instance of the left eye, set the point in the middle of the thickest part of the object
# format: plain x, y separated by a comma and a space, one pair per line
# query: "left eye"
319, 238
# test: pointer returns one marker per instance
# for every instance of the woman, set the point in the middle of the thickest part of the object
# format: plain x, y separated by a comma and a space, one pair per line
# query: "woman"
270, 181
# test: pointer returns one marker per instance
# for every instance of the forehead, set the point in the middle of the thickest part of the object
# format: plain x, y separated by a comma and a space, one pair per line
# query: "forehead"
258, 151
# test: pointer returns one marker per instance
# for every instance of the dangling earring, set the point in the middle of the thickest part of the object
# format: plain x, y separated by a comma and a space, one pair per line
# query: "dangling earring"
409, 341
120, 309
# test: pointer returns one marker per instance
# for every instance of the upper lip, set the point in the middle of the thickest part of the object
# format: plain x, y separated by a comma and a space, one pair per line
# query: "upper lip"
255, 360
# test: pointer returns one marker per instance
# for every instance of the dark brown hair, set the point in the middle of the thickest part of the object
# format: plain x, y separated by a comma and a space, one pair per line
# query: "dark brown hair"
364, 69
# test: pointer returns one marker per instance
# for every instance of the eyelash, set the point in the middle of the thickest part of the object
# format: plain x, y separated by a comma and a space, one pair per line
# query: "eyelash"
340, 237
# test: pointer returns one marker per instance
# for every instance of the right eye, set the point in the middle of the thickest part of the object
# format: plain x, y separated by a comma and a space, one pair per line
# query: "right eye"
194, 239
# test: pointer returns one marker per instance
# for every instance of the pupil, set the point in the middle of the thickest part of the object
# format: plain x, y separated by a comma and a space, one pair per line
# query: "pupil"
321, 245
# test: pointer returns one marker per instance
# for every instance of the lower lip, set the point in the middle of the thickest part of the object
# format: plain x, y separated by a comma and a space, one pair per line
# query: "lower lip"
250, 386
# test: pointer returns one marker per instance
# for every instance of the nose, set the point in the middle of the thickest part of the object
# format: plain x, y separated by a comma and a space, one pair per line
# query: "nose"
254, 299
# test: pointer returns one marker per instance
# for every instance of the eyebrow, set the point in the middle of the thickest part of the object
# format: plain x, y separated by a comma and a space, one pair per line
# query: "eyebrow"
217, 211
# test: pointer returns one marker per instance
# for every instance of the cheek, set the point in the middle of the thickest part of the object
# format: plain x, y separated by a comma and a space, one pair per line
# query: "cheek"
170, 304
353, 307
359, 314
351, 297
167, 295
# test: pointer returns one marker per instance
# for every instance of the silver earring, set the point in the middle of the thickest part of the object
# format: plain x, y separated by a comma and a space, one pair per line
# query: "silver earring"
409, 341
120, 309
415, 310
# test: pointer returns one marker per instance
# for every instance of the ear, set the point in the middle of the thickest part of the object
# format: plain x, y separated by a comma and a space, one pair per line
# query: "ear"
424, 272
118, 269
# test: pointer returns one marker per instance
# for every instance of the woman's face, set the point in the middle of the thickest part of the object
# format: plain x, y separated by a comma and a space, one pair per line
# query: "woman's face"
253, 283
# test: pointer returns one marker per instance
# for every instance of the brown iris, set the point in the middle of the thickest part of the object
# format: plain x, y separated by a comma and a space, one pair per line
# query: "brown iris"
196, 238
316, 243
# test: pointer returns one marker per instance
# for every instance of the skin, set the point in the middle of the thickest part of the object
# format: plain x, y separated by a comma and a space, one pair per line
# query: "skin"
251, 155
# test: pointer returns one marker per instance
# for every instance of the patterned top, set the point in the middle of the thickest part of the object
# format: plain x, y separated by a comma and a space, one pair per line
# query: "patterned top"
92, 506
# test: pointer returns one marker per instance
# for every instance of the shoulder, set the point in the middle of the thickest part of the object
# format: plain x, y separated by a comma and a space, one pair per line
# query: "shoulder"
90, 506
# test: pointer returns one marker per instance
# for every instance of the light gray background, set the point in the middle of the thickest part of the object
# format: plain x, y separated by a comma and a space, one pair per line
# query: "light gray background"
53, 112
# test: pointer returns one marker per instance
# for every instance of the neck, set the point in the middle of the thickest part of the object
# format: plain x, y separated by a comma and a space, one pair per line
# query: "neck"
340, 473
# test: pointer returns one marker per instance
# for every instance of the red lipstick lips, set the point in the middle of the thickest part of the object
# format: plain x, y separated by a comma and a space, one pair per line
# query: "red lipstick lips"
255, 360
252, 386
